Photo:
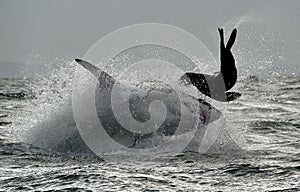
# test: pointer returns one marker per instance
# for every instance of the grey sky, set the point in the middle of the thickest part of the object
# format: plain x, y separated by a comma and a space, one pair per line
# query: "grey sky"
67, 28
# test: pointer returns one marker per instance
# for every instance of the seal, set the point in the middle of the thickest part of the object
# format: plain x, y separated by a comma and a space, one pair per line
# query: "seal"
217, 86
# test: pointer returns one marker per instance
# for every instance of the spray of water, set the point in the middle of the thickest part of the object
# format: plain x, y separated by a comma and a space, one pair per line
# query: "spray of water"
48, 120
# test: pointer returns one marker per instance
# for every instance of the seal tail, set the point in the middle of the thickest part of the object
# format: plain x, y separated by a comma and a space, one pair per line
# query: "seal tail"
228, 70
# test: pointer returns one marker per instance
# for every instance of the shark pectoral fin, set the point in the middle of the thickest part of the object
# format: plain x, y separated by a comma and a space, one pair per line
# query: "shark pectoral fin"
98, 73
230, 96
90, 67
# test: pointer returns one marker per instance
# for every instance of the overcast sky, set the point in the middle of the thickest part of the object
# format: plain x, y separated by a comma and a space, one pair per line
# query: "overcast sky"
67, 28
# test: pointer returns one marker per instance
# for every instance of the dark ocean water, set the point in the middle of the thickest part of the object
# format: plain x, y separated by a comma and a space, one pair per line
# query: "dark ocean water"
267, 158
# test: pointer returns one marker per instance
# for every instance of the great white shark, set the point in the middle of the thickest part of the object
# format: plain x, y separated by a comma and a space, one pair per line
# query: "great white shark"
213, 86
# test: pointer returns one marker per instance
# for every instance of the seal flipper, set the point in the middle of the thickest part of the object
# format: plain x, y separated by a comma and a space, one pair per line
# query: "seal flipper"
231, 39
222, 44
230, 96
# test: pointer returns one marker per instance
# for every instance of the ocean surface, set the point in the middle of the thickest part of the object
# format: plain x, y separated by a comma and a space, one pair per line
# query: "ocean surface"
264, 125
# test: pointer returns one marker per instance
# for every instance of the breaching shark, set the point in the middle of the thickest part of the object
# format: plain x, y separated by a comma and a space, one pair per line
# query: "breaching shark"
213, 86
